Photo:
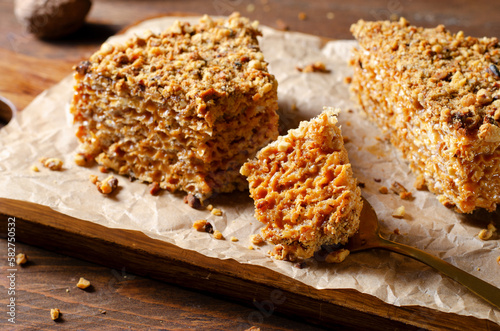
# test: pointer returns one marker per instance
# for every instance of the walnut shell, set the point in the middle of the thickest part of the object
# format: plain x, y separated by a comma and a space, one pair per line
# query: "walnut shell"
51, 18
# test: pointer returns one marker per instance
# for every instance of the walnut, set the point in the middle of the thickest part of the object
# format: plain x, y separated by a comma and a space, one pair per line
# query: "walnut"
21, 259
337, 256
399, 212
200, 225
489, 133
83, 283
51, 18
108, 185
52, 163
218, 235
55, 313
216, 212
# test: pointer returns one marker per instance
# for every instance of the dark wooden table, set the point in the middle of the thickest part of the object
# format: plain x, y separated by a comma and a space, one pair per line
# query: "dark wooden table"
118, 299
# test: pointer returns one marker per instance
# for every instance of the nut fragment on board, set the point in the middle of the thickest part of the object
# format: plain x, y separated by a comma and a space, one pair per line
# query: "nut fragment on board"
21, 259
108, 185
55, 313
83, 283
399, 212
52, 163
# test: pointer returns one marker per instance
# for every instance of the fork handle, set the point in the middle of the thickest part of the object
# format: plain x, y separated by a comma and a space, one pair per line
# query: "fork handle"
483, 289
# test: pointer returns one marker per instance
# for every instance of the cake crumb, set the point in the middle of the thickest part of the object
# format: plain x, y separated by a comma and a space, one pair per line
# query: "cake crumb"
337, 256
52, 163
108, 185
216, 212
83, 283
218, 235
250, 248
302, 16
256, 239
485, 234
34, 168
317, 66
102, 311
348, 79
419, 183
200, 225
399, 212
21, 259
383, 190
93, 179
103, 169
234, 239
55, 313
498, 259
406, 195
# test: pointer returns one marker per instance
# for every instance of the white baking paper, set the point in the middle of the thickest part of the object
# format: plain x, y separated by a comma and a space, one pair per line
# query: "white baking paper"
44, 129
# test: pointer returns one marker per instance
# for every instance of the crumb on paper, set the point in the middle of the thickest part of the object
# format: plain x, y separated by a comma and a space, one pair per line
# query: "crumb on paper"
346, 139
192, 201
52, 163
317, 66
108, 185
34, 168
406, 195
83, 283
209, 228
216, 212
492, 227
256, 239
250, 247
281, 25
82, 160
55, 313
398, 188
348, 79
485, 234
234, 239
419, 183
337, 256
210, 207
93, 179
199, 225
383, 190
399, 212
21, 259
154, 188
103, 169
302, 16
218, 235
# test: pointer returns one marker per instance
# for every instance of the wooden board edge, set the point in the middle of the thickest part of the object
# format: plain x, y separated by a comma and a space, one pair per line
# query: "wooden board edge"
247, 284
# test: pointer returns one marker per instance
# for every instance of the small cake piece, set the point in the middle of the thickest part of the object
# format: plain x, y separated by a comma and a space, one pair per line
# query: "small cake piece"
184, 108
437, 95
304, 191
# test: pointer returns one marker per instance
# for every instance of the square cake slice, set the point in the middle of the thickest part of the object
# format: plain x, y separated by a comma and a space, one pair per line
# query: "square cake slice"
304, 190
437, 95
184, 108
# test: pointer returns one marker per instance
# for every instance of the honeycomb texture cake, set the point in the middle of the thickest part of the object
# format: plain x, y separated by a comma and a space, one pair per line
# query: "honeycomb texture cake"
184, 108
304, 191
437, 96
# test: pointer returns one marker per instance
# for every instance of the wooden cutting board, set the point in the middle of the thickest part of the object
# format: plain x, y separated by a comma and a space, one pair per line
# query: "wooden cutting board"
24, 77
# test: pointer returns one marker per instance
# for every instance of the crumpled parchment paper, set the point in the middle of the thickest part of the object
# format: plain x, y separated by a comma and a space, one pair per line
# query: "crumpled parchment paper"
44, 129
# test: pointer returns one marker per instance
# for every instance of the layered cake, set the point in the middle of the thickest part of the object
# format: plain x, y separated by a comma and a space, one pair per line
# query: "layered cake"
303, 188
184, 108
437, 95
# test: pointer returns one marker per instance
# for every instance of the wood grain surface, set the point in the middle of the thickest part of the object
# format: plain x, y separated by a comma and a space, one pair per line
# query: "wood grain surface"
194, 292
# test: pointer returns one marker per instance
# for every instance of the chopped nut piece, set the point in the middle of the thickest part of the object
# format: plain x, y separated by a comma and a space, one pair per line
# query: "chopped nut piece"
302, 16
216, 212
281, 25
234, 239
348, 80
83, 283
154, 188
406, 195
81, 160
102, 311
52, 163
218, 235
396, 231
256, 239
192, 201
485, 234
250, 247
383, 190
399, 212
398, 188
34, 168
315, 67
108, 185
337, 256
55, 313
419, 183
209, 228
210, 207
200, 225
103, 169
492, 227
21, 258
93, 179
